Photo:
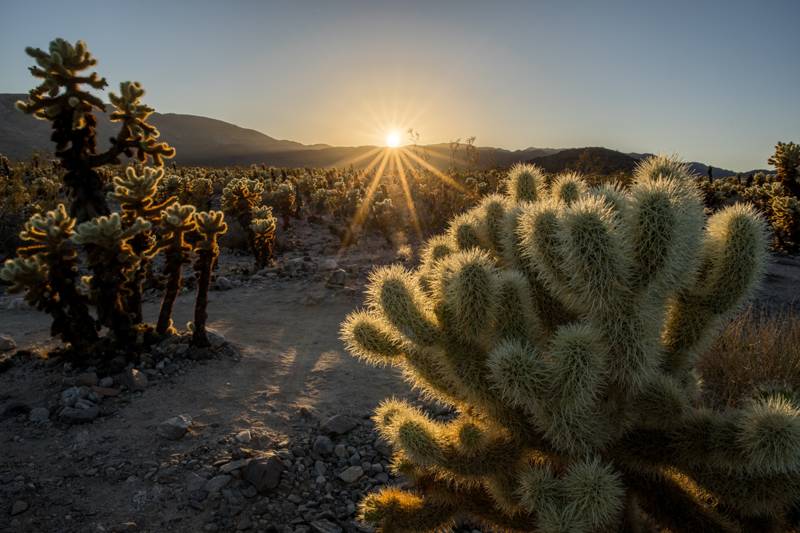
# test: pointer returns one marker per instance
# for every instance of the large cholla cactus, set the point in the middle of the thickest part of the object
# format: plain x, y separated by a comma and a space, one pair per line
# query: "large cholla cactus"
786, 161
61, 99
563, 324
282, 200
177, 220
242, 199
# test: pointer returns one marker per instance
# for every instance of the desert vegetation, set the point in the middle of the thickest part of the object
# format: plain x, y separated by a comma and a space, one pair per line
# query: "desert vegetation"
584, 349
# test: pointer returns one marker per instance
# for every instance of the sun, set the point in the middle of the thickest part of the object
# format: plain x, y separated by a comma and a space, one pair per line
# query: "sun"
393, 139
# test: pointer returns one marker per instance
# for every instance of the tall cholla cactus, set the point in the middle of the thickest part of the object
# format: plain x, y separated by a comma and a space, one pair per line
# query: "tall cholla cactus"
47, 271
177, 220
61, 99
786, 161
242, 199
263, 228
563, 324
210, 226
136, 195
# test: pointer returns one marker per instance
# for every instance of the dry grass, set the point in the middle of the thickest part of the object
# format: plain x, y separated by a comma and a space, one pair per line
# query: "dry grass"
755, 351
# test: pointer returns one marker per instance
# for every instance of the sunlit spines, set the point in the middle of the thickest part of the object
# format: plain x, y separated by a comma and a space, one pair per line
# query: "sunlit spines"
366, 337
524, 183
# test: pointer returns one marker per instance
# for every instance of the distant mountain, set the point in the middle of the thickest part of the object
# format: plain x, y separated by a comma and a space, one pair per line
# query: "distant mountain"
195, 138
206, 141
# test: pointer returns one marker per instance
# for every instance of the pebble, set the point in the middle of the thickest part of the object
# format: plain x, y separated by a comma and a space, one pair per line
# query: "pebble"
194, 482
74, 415
264, 473
217, 483
175, 428
7, 343
39, 415
106, 382
324, 526
244, 436
135, 380
340, 451
338, 425
323, 445
351, 474
19, 507
223, 284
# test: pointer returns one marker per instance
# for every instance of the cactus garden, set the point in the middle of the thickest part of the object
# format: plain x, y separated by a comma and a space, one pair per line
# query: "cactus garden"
205, 328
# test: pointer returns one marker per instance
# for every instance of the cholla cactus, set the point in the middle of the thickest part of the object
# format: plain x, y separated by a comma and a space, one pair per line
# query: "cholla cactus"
242, 199
112, 260
282, 199
61, 99
786, 161
47, 271
564, 330
263, 228
210, 226
136, 195
176, 220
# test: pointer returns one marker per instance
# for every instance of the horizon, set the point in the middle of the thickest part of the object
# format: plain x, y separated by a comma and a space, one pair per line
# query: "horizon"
495, 72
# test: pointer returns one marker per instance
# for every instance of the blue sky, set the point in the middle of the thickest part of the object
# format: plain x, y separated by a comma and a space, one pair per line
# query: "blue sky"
713, 81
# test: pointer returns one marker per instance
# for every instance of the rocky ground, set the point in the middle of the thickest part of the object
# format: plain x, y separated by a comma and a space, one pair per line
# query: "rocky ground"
268, 431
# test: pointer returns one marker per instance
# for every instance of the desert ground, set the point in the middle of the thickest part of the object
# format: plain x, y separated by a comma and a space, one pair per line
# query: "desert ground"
286, 410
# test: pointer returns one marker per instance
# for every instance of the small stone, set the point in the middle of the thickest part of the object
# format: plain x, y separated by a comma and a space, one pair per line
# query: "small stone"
39, 415
175, 428
217, 483
381, 477
194, 482
325, 526
223, 284
19, 507
105, 392
340, 451
338, 425
106, 382
87, 379
7, 343
382, 447
264, 473
323, 445
74, 415
244, 436
216, 338
70, 396
351, 474
135, 380
329, 264
233, 465
337, 278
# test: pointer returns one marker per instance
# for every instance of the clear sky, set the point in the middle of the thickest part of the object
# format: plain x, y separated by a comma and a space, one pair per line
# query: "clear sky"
714, 81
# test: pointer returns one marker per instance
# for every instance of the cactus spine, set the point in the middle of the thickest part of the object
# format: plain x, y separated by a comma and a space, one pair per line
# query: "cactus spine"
563, 323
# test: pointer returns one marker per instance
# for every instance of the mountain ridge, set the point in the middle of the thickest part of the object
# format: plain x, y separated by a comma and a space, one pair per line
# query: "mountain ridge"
207, 141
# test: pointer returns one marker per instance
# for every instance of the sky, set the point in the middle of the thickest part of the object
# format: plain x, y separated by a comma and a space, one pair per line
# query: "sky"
711, 81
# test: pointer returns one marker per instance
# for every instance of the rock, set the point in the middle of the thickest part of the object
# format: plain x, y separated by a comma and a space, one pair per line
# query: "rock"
70, 396
217, 483
39, 415
216, 338
381, 477
234, 465
382, 447
351, 474
194, 482
19, 507
329, 264
337, 278
135, 380
106, 382
7, 343
264, 473
75, 415
244, 436
340, 451
323, 445
324, 526
338, 425
223, 284
174, 428
87, 379
103, 392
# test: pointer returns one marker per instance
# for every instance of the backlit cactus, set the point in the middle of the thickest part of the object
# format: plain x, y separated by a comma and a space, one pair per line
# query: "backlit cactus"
242, 199
176, 221
61, 99
562, 323
210, 226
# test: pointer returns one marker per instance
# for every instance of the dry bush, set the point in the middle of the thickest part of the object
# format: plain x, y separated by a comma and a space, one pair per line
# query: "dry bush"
757, 352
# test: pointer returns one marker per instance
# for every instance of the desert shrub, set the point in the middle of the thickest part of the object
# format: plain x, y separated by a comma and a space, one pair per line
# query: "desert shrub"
755, 353
564, 330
